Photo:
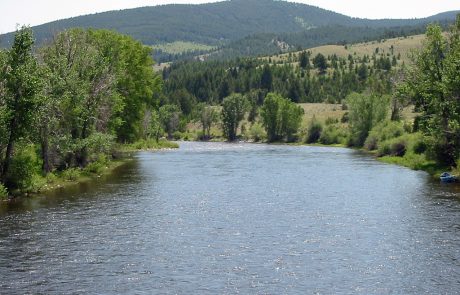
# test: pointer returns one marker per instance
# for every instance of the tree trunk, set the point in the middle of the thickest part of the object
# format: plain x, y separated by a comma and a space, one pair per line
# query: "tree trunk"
46, 167
9, 150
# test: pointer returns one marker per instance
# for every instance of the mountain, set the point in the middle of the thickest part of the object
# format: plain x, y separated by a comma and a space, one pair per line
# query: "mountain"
218, 23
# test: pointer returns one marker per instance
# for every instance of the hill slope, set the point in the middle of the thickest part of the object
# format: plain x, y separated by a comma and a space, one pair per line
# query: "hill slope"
216, 23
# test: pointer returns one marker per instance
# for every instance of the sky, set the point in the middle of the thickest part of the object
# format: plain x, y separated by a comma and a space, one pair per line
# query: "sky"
35, 12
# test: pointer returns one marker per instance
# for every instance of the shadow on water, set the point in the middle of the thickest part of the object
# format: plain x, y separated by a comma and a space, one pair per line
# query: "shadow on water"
97, 187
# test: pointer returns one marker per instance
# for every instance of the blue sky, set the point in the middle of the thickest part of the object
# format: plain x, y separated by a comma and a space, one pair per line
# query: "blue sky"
34, 12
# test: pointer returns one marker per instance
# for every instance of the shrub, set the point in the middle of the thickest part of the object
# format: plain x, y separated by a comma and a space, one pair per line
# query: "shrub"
257, 132
177, 135
95, 168
333, 134
71, 174
51, 178
3, 192
383, 131
314, 131
394, 147
420, 146
330, 121
24, 165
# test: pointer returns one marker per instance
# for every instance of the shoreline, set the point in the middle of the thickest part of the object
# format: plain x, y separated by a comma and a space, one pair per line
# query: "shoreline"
78, 176
430, 167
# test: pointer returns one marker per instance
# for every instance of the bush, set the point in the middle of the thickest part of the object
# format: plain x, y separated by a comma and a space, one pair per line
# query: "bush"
345, 118
420, 146
383, 131
314, 131
24, 165
3, 192
95, 168
394, 147
51, 178
177, 135
333, 134
257, 132
71, 174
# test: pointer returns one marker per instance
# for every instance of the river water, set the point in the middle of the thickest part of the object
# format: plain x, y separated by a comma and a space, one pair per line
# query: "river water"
216, 218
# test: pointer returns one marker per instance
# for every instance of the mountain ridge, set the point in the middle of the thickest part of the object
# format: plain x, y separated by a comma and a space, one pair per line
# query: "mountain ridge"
216, 23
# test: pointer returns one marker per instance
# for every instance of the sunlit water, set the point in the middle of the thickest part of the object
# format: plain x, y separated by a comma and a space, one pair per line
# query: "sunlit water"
214, 218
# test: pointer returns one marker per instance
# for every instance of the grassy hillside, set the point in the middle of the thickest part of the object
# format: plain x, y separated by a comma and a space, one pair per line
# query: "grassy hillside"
401, 47
178, 47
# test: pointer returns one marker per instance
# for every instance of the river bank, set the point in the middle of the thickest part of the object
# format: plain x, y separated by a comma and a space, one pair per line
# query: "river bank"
55, 181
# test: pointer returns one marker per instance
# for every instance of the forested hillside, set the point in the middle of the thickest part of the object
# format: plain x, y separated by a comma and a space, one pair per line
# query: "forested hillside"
219, 23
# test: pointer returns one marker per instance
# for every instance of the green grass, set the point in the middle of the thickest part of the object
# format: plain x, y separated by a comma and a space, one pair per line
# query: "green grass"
178, 47
148, 144
415, 162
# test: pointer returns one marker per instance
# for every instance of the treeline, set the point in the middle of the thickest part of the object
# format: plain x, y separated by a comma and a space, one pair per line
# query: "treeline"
216, 23
257, 100
65, 105
264, 44
302, 78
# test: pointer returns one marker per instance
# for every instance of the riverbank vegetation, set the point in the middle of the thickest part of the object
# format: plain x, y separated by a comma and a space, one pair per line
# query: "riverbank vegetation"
67, 108
74, 104
402, 109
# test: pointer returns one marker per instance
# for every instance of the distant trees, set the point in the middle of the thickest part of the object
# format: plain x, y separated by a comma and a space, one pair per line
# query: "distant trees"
281, 117
304, 61
266, 80
320, 62
233, 109
207, 116
169, 116
434, 86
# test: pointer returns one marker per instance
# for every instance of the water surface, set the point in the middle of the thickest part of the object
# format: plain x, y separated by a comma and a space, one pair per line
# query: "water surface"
214, 218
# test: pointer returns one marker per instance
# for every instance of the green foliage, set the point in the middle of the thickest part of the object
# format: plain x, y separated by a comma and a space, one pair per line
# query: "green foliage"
366, 111
434, 85
280, 117
208, 115
314, 130
146, 144
20, 96
320, 62
334, 134
24, 169
3, 192
71, 174
169, 116
383, 131
256, 132
233, 109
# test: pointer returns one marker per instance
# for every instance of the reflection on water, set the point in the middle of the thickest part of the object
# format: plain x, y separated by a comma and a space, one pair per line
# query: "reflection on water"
214, 218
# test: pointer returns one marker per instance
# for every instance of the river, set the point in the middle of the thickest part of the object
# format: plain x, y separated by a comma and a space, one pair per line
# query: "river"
216, 218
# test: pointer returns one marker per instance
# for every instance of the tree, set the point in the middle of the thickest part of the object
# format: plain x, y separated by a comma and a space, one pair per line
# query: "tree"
169, 116
233, 110
365, 112
320, 62
86, 86
136, 82
304, 61
280, 117
21, 93
207, 116
434, 85
266, 80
